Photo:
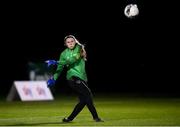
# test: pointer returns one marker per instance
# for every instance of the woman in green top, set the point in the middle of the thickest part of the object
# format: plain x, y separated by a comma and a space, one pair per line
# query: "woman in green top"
74, 57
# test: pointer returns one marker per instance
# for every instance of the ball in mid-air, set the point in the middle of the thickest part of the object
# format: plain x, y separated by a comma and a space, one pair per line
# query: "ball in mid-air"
131, 10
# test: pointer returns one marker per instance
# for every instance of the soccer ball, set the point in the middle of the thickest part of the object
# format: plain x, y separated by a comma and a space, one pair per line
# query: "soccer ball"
131, 10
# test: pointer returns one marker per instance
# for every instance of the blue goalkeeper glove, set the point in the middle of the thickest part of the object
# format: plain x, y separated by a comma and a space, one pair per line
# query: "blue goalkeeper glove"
51, 82
51, 62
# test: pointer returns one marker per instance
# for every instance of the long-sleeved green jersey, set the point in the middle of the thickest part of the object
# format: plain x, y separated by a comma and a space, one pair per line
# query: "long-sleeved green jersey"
74, 62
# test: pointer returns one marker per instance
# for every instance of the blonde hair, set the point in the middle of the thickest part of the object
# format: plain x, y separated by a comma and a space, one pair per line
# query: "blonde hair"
83, 51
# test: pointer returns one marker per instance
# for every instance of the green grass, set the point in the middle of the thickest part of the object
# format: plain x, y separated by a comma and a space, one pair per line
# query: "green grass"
114, 110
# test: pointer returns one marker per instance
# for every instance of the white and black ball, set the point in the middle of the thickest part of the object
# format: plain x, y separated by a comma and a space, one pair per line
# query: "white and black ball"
131, 10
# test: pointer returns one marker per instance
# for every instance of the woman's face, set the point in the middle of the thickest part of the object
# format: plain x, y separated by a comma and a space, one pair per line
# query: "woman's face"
70, 43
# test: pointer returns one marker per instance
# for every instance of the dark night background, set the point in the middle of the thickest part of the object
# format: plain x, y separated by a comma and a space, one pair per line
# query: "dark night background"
124, 55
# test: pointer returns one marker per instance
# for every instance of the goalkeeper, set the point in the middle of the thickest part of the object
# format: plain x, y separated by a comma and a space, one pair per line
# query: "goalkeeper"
74, 57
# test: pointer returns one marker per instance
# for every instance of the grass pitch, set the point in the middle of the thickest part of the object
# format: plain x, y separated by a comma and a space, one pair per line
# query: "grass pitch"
114, 110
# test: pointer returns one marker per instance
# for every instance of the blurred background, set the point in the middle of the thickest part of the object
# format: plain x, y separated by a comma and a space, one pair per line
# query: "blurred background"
124, 55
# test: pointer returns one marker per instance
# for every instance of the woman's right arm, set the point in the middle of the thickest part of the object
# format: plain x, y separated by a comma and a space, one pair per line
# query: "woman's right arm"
60, 66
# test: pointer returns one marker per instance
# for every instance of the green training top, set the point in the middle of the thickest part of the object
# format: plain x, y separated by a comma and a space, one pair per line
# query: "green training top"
74, 62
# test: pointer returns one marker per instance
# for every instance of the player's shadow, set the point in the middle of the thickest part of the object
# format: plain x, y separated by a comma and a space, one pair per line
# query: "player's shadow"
36, 124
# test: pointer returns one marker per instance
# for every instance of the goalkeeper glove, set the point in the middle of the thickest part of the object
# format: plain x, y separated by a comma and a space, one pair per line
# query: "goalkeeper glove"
51, 82
51, 62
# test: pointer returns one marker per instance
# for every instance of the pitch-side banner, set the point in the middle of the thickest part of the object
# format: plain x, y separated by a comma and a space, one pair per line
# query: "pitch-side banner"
31, 91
